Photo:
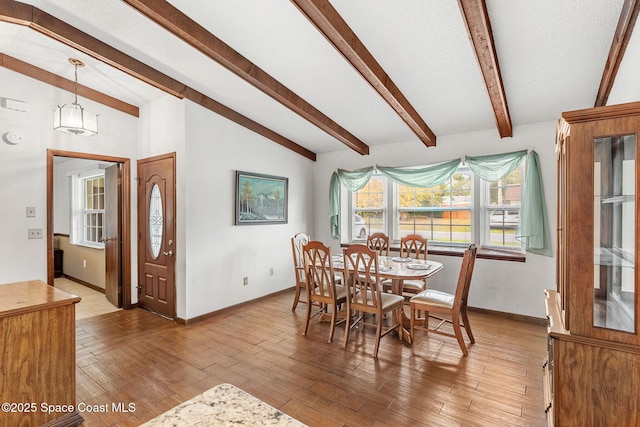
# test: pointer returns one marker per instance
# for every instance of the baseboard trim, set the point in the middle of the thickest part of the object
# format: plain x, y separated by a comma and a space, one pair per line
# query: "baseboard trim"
191, 321
511, 316
83, 283
503, 314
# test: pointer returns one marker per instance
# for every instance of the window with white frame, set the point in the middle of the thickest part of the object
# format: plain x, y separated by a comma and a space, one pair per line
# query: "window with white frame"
463, 210
369, 209
502, 200
88, 209
441, 214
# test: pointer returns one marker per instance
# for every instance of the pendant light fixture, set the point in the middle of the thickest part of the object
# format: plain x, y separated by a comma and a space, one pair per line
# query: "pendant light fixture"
72, 118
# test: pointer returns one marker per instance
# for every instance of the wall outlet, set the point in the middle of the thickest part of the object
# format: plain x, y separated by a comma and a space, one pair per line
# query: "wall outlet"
35, 233
245, 281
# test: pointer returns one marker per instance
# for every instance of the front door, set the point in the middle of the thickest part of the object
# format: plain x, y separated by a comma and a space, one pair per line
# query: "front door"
156, 228
112, 234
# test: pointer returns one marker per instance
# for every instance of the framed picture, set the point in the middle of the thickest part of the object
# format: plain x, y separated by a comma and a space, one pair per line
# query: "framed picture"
261, 199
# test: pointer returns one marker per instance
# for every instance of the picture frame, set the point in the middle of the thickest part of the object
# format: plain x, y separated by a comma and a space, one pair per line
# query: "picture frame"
261, 199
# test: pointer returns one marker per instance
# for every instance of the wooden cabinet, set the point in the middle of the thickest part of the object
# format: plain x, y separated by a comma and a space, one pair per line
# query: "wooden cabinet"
38, 358
593, 372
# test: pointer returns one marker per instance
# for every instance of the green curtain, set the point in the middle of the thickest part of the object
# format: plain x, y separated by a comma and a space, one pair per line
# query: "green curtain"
427, 176
495, 166
352, 181
533, 230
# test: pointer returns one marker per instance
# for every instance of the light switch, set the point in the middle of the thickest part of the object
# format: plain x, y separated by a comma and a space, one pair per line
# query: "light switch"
31, 212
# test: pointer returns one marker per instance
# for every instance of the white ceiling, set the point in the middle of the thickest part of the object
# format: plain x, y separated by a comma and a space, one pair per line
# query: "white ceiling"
552, 55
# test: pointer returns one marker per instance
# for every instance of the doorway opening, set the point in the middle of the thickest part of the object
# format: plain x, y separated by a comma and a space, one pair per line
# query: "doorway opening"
108, 229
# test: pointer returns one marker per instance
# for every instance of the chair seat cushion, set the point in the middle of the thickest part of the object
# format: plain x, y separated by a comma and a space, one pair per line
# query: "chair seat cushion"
416, 285
341, 292
434, 297
387, 300
390, 299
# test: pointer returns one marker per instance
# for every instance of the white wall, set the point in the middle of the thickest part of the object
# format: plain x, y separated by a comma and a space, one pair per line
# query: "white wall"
213, 255
23, 171
510, 287
218, 253
161, 130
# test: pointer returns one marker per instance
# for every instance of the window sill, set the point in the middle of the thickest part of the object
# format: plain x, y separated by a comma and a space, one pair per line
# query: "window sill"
483, 253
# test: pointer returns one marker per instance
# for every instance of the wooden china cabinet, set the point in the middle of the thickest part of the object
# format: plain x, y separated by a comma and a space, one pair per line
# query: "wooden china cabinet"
592, 375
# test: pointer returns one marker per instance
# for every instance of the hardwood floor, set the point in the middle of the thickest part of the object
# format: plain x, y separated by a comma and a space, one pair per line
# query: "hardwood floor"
140, 358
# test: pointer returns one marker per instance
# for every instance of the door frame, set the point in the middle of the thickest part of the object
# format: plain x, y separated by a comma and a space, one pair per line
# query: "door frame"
126, 215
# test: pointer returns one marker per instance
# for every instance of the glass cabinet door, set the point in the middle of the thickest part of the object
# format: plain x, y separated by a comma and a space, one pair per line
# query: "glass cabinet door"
614, 232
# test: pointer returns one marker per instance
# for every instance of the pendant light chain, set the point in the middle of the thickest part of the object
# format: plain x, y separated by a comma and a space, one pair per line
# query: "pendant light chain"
76, 88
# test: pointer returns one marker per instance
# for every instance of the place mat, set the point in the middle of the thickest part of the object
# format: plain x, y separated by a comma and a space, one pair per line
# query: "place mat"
418, 266
223, 405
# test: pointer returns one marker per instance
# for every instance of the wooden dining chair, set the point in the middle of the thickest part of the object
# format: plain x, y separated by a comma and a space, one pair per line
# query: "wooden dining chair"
414, 246
379, 242
365, 296
297, 242
321, 285
445, 307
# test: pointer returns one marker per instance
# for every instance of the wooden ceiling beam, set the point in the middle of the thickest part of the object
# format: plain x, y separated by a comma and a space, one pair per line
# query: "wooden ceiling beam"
32, 17
45, 76
476, 18
185, 28
329, 22
626, 23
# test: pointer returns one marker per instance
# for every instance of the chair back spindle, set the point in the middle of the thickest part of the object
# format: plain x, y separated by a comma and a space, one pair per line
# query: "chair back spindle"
379, 242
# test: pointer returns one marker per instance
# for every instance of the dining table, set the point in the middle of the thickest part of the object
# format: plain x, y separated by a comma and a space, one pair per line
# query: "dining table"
398, 269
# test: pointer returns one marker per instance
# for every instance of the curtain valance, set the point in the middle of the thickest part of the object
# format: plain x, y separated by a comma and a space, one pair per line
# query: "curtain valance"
533, 229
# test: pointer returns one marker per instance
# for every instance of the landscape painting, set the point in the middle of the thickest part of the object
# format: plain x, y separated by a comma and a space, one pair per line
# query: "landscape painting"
260, 199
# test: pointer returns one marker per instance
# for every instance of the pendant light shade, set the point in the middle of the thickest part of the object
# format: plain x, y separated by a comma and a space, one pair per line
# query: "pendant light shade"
72, 118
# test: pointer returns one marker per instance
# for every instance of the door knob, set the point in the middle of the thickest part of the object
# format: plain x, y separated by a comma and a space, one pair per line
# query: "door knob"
170, 253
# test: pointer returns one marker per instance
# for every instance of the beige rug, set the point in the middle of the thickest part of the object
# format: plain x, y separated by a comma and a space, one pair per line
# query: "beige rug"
223, 405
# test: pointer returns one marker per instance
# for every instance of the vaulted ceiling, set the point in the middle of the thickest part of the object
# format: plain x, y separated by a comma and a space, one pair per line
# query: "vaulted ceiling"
316, 76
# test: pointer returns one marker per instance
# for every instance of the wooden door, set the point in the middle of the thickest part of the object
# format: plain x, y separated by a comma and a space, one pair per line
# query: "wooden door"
112, 234
156, 238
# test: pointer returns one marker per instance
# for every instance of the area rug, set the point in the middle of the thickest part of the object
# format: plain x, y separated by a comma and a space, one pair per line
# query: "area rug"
223, 405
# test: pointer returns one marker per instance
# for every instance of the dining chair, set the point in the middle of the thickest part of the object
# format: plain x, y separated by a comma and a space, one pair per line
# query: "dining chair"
365, 295
414, 246
321, 285
379, 242
445, 307
297, 242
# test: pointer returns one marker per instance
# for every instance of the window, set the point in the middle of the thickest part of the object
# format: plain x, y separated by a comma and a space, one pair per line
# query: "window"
369, 209
463, 210
87, 204
441, 214
502, 201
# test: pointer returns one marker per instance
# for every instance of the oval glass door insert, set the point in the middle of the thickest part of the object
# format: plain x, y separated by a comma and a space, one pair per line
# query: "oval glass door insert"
155, 220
